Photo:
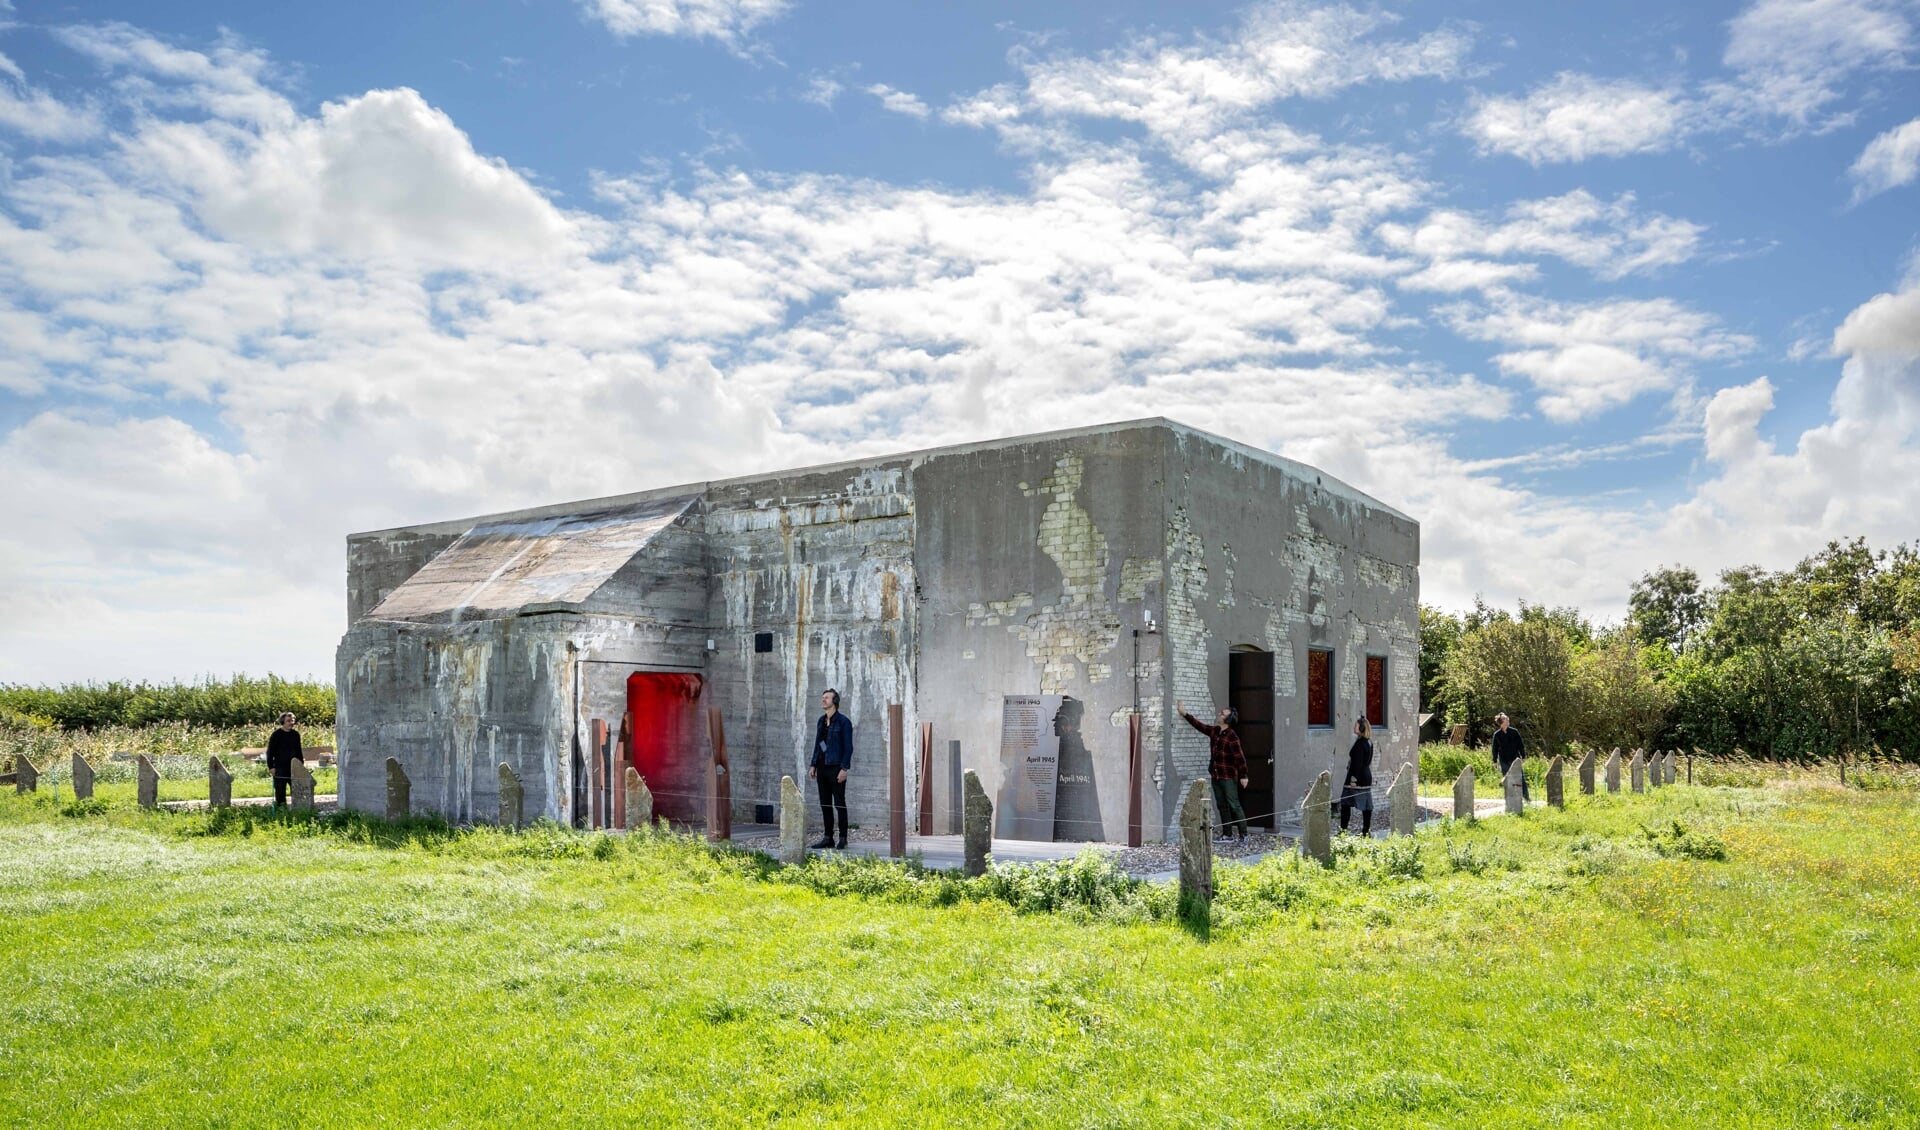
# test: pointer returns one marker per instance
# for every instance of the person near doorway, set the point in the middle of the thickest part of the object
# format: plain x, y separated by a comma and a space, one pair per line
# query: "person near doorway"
1508, 747
1356, 790
283, 749
832, 758
1227, 765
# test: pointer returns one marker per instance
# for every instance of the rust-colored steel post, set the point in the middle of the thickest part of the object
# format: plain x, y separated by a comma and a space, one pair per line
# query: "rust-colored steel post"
596, 805
622, 750
896, 780
926, 778
719, 782
1133, 780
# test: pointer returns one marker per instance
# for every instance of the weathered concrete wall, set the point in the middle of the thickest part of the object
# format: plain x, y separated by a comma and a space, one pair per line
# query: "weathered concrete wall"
1274, 555
943, 580
451, 702
1036, 561
824, 562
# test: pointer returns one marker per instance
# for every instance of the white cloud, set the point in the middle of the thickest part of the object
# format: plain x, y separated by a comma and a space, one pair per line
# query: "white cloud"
1888, 161
37, 114
255, 335
1575, 117
725, 20
1612, 239
1190, 89
1586, 358
822, 90
1855, 474
1792, 56
1787, 62
898, 101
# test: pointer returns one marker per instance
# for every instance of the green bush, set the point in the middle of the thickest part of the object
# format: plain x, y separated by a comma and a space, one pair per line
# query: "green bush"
238, 701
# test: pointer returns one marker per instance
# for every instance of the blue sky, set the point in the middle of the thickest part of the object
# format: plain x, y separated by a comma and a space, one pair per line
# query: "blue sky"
1586, 290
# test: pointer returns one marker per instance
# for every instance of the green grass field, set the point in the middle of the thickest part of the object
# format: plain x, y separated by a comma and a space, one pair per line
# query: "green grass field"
1596, 968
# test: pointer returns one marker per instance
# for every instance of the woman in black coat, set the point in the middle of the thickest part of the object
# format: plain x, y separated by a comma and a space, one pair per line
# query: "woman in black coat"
1357, 791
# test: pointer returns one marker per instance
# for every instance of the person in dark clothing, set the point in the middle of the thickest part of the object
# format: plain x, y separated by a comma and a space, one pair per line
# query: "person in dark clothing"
1356, 789
1507, 749
283, 749
832, 758
1226, 764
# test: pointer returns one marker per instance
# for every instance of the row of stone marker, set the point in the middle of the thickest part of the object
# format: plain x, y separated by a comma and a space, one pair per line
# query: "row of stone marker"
26, 779
1657, 770
1316, 811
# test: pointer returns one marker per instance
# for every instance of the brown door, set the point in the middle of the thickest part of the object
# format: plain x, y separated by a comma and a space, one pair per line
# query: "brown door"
1250, 691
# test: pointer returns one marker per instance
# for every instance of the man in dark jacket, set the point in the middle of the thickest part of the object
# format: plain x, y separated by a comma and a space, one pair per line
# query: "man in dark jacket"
1226, 764
1507, 749
832, 758
283, 749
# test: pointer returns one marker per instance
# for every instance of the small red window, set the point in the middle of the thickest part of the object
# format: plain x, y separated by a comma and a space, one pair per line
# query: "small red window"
1376, 690
1319, 687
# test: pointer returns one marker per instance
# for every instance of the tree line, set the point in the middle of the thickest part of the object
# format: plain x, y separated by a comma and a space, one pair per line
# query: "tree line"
1818, 660
238, 701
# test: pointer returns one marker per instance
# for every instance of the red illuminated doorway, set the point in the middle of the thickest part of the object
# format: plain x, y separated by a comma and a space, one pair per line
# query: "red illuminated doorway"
668, 740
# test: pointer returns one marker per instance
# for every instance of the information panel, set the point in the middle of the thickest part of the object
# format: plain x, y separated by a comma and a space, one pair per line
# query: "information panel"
1029, 767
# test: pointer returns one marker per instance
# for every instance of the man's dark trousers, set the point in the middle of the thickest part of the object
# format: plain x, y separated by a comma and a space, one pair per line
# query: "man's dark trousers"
1226, 794
282, 784
833, 798
1504, 764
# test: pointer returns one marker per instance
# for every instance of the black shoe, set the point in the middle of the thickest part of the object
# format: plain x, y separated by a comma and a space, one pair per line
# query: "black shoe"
841, 846
825, 842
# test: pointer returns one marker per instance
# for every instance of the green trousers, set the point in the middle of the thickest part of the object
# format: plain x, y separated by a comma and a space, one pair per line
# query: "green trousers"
1226, 797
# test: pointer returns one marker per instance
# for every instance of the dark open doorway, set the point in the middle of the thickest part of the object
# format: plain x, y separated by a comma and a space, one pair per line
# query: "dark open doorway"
669, 743
1250, 691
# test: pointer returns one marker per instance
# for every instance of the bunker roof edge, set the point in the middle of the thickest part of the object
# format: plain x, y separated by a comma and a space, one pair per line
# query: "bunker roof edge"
1294, 467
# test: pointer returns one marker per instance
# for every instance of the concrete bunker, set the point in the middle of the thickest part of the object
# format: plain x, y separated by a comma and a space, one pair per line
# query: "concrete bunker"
1111, 570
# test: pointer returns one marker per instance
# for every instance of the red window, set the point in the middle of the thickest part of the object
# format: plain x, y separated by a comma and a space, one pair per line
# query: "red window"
1376, 690
1319, 687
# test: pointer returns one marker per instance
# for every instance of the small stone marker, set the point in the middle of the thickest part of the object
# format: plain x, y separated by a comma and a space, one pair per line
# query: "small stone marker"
1556, 783
1637, 770
302, 785
1196, 845
978, 814
399, 791
639, 801
26, 778
1514, 782
1613, 771
1671, 769
1586, 774
219, 784
1654, 772
793, 823
1316, 820
1401, 795
1463, 795
82, 778
148, 791
513, 798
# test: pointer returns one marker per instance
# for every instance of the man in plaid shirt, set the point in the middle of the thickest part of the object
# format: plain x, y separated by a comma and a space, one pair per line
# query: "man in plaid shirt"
1226, 764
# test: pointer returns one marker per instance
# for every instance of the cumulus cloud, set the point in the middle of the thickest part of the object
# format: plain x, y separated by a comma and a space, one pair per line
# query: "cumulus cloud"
1588, 357
725, 20
899, 101
1575, 117
36, 114
1786, 64
1889, 161
250, 334
1791, 57
1188, 88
